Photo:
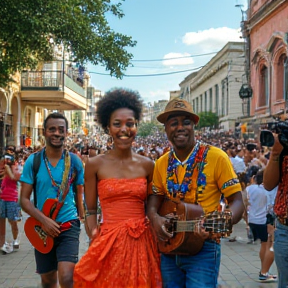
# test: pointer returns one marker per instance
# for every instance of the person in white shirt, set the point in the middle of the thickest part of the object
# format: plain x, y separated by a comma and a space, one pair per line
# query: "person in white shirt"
237, 162
257, 211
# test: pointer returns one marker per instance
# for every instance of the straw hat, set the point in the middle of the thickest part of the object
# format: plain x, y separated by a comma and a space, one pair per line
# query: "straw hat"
177, 105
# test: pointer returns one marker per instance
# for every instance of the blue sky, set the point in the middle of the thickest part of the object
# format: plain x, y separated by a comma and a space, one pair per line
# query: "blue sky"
167, 29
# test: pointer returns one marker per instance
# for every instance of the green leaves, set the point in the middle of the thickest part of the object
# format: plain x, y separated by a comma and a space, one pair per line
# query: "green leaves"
146, 129
28, 25
208, 119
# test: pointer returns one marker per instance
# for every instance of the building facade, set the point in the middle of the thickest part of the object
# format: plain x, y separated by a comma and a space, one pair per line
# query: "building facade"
215, 87
267, 31
58, 85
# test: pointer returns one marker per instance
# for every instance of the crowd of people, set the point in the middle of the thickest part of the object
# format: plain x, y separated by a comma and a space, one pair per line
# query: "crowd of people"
140, 182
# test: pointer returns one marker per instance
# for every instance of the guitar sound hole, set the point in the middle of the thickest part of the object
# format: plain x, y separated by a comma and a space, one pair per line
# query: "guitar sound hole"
41, 233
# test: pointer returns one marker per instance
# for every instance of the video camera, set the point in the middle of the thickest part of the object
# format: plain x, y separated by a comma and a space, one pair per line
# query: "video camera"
280, 128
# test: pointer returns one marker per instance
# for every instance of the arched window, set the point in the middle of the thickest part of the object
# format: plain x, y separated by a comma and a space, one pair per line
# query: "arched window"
281, 78
263, 87
285, 78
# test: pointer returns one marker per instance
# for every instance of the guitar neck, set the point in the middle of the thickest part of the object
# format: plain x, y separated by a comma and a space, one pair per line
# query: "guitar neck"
217, 225
187, 226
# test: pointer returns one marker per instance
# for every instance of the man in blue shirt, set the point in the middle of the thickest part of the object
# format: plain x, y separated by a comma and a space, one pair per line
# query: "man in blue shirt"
58, 173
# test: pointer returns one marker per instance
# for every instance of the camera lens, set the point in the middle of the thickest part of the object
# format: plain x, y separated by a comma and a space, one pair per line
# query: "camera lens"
266, 138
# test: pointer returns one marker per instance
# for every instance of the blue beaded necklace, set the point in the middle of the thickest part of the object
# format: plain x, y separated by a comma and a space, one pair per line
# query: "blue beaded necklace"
173, 186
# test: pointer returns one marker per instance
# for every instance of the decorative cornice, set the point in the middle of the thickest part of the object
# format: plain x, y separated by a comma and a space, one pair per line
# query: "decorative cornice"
208, 74
212, 67
264, 12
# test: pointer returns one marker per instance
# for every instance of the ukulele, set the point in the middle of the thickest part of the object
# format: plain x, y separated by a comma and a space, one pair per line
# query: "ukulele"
186, 239
40, 240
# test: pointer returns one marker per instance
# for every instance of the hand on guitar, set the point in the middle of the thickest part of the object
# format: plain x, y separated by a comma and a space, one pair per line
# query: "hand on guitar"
160, 225
167, 227
51, 227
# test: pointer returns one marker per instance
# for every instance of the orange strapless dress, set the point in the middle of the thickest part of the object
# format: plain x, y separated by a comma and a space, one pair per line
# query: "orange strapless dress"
124, 254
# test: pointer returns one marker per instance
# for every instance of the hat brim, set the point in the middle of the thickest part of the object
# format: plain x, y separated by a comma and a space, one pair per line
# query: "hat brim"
162, 118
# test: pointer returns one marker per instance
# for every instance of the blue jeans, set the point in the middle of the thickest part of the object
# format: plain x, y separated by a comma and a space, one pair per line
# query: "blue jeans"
198, 271
281, 253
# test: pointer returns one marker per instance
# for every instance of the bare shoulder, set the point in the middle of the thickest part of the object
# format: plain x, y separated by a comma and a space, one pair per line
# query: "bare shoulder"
147, 163
95, 162
97, 158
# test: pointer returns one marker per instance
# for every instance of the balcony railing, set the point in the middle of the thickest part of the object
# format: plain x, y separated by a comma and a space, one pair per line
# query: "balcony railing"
50, 80
42, 80
69, 83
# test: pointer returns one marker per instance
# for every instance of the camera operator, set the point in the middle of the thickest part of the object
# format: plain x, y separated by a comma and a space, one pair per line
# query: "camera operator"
276, 173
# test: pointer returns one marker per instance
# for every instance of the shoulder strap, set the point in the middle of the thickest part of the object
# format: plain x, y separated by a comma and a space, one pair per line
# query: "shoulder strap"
36, 166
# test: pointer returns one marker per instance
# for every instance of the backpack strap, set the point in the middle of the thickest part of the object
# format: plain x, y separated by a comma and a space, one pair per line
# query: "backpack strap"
36, 166
74, 187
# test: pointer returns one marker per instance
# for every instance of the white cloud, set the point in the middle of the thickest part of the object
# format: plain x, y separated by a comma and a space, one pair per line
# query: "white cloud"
177, 59
212, 39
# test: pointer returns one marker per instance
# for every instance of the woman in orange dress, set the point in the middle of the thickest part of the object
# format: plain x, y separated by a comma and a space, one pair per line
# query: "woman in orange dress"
123, 253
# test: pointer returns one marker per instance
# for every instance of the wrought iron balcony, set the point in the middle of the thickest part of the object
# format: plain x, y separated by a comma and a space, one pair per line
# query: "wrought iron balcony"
53, 89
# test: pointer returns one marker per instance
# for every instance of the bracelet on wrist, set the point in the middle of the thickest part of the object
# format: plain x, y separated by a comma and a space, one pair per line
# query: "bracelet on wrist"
90, 212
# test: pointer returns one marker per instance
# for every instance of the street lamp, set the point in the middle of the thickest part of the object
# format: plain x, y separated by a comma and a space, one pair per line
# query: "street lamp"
245, 92
242, 11
241, 5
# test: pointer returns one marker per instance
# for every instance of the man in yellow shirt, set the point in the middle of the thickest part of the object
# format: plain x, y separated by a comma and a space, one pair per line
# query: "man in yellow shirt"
194, 176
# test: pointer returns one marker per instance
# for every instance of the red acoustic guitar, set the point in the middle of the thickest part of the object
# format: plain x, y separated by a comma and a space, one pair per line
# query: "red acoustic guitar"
33, 228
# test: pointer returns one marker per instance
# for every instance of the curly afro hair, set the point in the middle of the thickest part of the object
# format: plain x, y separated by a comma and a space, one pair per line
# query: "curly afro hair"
115, 99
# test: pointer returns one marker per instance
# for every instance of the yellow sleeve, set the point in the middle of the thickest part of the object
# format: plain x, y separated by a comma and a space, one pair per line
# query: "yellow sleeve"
159, 173
227, 179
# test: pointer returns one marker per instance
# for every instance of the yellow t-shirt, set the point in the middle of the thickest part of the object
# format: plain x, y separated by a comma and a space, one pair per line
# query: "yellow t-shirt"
217, 176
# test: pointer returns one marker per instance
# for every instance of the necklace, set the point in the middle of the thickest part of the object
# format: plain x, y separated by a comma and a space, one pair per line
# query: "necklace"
173, 186
67, 177
195, 160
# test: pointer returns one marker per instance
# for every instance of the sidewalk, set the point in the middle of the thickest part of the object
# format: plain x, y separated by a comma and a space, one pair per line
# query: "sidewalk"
240, 264
18, 268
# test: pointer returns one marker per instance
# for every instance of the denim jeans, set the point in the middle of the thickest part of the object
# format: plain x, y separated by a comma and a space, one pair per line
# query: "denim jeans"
198, 271
281, 253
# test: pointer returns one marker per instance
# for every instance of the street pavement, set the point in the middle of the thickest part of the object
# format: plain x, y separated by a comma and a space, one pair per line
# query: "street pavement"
240, 264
